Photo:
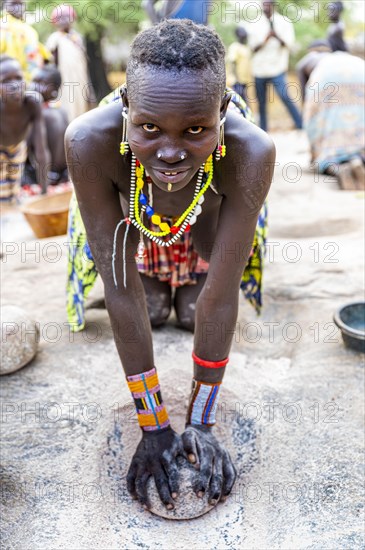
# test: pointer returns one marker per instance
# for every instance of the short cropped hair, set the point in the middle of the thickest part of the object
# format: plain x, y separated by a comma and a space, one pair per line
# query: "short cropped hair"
337, 5
52, 74
179, 45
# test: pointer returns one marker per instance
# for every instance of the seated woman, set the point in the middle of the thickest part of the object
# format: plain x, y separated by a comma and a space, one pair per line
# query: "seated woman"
171, 168
47, 82
333, 116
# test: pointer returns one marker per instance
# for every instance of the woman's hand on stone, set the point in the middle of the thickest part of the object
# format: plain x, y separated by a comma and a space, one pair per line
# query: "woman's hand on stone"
156, 456
216, 471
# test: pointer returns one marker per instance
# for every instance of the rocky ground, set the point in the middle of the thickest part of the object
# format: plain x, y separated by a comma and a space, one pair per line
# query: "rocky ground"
292, 411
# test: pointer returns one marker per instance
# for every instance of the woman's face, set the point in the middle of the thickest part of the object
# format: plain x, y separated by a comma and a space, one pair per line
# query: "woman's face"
173, 124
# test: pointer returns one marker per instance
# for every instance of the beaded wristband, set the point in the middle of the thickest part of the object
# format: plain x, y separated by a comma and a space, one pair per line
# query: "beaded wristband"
151, 411
203, 403
209, 364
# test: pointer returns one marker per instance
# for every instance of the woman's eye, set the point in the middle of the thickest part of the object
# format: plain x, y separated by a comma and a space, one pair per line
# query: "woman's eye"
195, 130
150, 127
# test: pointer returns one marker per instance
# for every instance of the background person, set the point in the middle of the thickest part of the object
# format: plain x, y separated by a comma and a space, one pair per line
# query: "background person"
305, 66
239, 73
47, 82
196, 10
20, 111
270, 40
337, 28
69, 54
334, 117
18, 39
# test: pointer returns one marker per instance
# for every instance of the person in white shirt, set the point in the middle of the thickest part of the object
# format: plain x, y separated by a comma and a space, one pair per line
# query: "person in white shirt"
270, 40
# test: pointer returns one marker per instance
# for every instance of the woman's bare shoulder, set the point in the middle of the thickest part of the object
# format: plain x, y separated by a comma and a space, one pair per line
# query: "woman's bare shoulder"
246, 140
246, 171
96, 131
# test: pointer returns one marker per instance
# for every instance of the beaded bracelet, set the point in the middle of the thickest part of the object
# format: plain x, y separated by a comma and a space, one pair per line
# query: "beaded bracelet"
209, 364
203, 403
151, 412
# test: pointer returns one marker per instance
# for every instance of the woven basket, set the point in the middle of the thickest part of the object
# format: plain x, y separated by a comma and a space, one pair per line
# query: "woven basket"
48, 216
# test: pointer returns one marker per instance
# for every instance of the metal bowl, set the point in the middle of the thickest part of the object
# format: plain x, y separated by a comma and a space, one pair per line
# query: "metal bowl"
350, 319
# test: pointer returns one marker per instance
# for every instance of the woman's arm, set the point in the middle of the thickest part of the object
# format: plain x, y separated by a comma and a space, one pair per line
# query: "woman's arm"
245, 190
99, 203
39, 141
90, 150
217, 306
52, 46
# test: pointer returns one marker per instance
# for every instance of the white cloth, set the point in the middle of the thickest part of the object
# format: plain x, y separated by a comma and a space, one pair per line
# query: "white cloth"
72, 63
273, 58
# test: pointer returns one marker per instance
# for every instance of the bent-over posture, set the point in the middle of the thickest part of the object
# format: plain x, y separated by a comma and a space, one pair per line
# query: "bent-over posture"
173, 163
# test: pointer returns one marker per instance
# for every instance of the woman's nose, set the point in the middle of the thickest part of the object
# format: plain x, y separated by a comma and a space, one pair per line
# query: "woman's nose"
171, 153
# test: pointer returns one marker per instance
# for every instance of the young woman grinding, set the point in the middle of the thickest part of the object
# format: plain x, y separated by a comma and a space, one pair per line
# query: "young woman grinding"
173, 161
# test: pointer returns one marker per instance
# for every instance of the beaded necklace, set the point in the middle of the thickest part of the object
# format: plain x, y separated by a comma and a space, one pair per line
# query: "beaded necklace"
188, 217
138, 205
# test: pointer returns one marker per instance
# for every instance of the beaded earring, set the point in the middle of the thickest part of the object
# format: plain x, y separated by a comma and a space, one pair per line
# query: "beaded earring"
220, 151
124, 145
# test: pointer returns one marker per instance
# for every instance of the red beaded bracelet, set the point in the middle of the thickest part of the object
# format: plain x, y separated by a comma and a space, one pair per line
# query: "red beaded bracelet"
209, 364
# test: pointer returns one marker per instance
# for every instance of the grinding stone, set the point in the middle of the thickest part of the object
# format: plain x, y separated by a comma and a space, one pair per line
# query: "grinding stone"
187, 504
19, 339
236, 433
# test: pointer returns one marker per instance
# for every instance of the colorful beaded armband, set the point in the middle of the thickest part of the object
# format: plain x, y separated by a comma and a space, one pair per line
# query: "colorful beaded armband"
209, 364
151, 411
203, 403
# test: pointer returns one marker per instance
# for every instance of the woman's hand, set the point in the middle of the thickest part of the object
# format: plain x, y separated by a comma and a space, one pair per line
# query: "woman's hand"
156, 456
217, 473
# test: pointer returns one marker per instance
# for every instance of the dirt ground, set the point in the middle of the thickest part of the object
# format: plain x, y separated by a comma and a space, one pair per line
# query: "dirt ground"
292, 411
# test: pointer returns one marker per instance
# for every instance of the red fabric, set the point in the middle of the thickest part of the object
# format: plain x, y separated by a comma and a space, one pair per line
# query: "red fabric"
177, 264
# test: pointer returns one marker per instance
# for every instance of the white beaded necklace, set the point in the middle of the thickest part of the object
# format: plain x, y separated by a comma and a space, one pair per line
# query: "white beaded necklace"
187, 219
189, 216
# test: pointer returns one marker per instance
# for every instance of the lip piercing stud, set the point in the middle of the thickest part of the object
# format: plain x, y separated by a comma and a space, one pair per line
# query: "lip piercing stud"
159, 156
183, 156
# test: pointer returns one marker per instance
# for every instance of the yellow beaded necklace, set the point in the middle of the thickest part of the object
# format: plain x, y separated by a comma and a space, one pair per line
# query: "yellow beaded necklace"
138, 204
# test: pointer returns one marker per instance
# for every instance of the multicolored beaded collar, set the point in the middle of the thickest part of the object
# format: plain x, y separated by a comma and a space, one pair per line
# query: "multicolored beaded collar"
138, 205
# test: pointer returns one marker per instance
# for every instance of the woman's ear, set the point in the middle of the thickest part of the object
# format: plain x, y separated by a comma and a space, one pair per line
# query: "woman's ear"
124, 96
225, 102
